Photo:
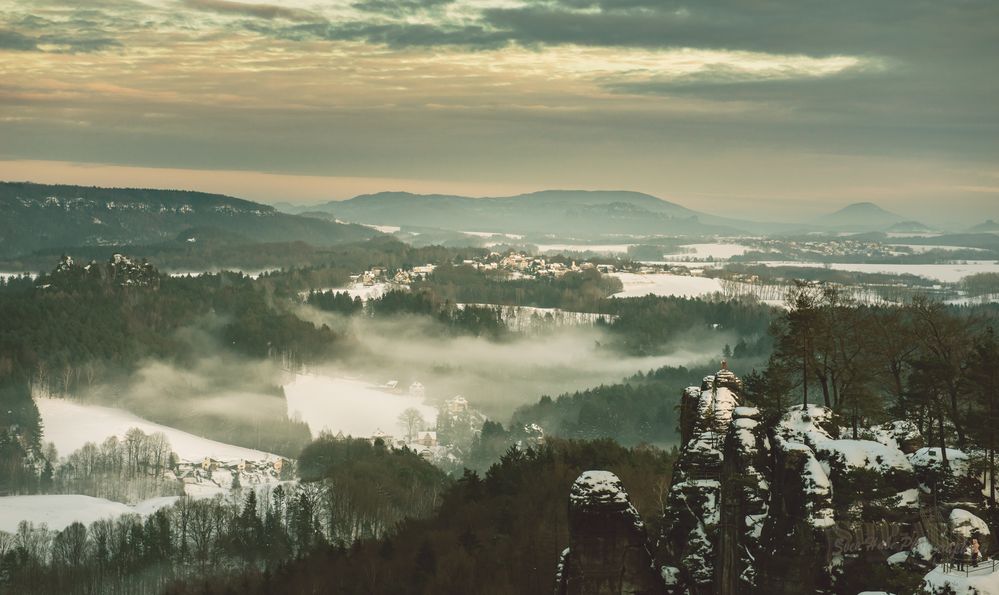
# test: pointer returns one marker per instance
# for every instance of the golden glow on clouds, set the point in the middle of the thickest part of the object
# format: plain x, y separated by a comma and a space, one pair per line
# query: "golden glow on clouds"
211, 84
262, 186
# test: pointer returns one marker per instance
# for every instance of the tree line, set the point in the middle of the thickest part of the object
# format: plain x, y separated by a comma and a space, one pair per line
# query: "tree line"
352, 490
927, 362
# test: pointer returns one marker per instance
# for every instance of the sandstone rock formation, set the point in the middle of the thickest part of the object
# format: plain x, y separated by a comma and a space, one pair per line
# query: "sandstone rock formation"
609, 553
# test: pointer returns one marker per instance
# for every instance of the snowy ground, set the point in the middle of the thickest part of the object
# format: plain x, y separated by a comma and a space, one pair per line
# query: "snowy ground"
381, 228
8, 274
637, 285
598, 248
70, 425
60, 511
365, 292
981, 580
527, 318
922, 248
489, 234
948, 273
354, 407
251, 274
715, 251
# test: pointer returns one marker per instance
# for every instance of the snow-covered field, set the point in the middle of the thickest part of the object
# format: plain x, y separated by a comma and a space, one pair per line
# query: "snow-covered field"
947, 273
9, 274
526, 318
381, 228
352, 406
70, 425
60, 511
597, 248
715, 251
365, 292
251, 274
489, 234
981, 580
923, 248
638, 285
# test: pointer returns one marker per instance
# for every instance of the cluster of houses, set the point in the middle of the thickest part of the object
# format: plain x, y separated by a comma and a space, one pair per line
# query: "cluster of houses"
211, 476
806, 249
376, 275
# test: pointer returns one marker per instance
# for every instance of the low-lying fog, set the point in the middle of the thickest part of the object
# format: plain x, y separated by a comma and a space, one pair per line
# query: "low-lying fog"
349, 393
495, 376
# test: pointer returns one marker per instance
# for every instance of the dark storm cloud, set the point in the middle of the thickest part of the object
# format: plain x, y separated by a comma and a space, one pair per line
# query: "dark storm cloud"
262, 11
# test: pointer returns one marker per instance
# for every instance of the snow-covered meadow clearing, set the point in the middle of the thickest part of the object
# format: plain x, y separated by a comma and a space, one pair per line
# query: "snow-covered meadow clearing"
923, 248
59, 511
714, 251
69, 425
381, 228
490, 234
596, 248
253, 274
946, 273
354, 407
665, 284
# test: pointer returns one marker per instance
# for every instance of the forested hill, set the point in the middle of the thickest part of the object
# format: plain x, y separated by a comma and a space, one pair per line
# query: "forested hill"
39, 216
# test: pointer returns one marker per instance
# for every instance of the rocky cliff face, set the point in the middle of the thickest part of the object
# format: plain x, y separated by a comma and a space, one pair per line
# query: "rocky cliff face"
609, 554
805, 506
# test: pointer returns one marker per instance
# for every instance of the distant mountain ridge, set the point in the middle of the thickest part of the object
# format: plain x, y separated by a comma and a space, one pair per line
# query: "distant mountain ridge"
862, 216
564, 212
42, 216
987, 226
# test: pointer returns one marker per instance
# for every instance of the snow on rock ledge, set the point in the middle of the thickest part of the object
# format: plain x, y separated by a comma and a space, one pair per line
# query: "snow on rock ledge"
597, 489
983, 581
966, 525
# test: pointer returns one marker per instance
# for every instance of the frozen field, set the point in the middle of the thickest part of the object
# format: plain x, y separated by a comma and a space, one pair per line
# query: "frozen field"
922, 248
365, 292
70, 425
947, 273
381, 228
354, 407
60, 511
489, 234
637, 285
715, 251
597, 248
251, 274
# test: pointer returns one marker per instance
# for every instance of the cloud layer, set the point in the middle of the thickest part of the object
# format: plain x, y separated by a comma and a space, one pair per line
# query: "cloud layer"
692, 101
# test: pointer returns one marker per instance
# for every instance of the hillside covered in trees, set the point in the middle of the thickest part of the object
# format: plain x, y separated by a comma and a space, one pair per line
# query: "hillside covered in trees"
39, 217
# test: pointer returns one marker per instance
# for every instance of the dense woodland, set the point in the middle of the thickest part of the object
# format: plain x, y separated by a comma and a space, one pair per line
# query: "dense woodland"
260, 529
366, 519
40, 217
934, 365
82, 327
501, 532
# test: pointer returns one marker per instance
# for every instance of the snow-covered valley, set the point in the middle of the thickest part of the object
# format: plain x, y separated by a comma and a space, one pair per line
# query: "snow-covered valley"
58, 511
347, 405
69, 425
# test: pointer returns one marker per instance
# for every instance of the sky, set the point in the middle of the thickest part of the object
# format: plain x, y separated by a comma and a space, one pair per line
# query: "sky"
774, 109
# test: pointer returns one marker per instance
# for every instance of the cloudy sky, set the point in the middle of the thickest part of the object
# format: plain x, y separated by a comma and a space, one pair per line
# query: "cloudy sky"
766, 108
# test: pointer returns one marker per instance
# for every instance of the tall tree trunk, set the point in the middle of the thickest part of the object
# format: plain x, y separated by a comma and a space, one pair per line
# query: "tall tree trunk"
804, 375
956, 417
943, 441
